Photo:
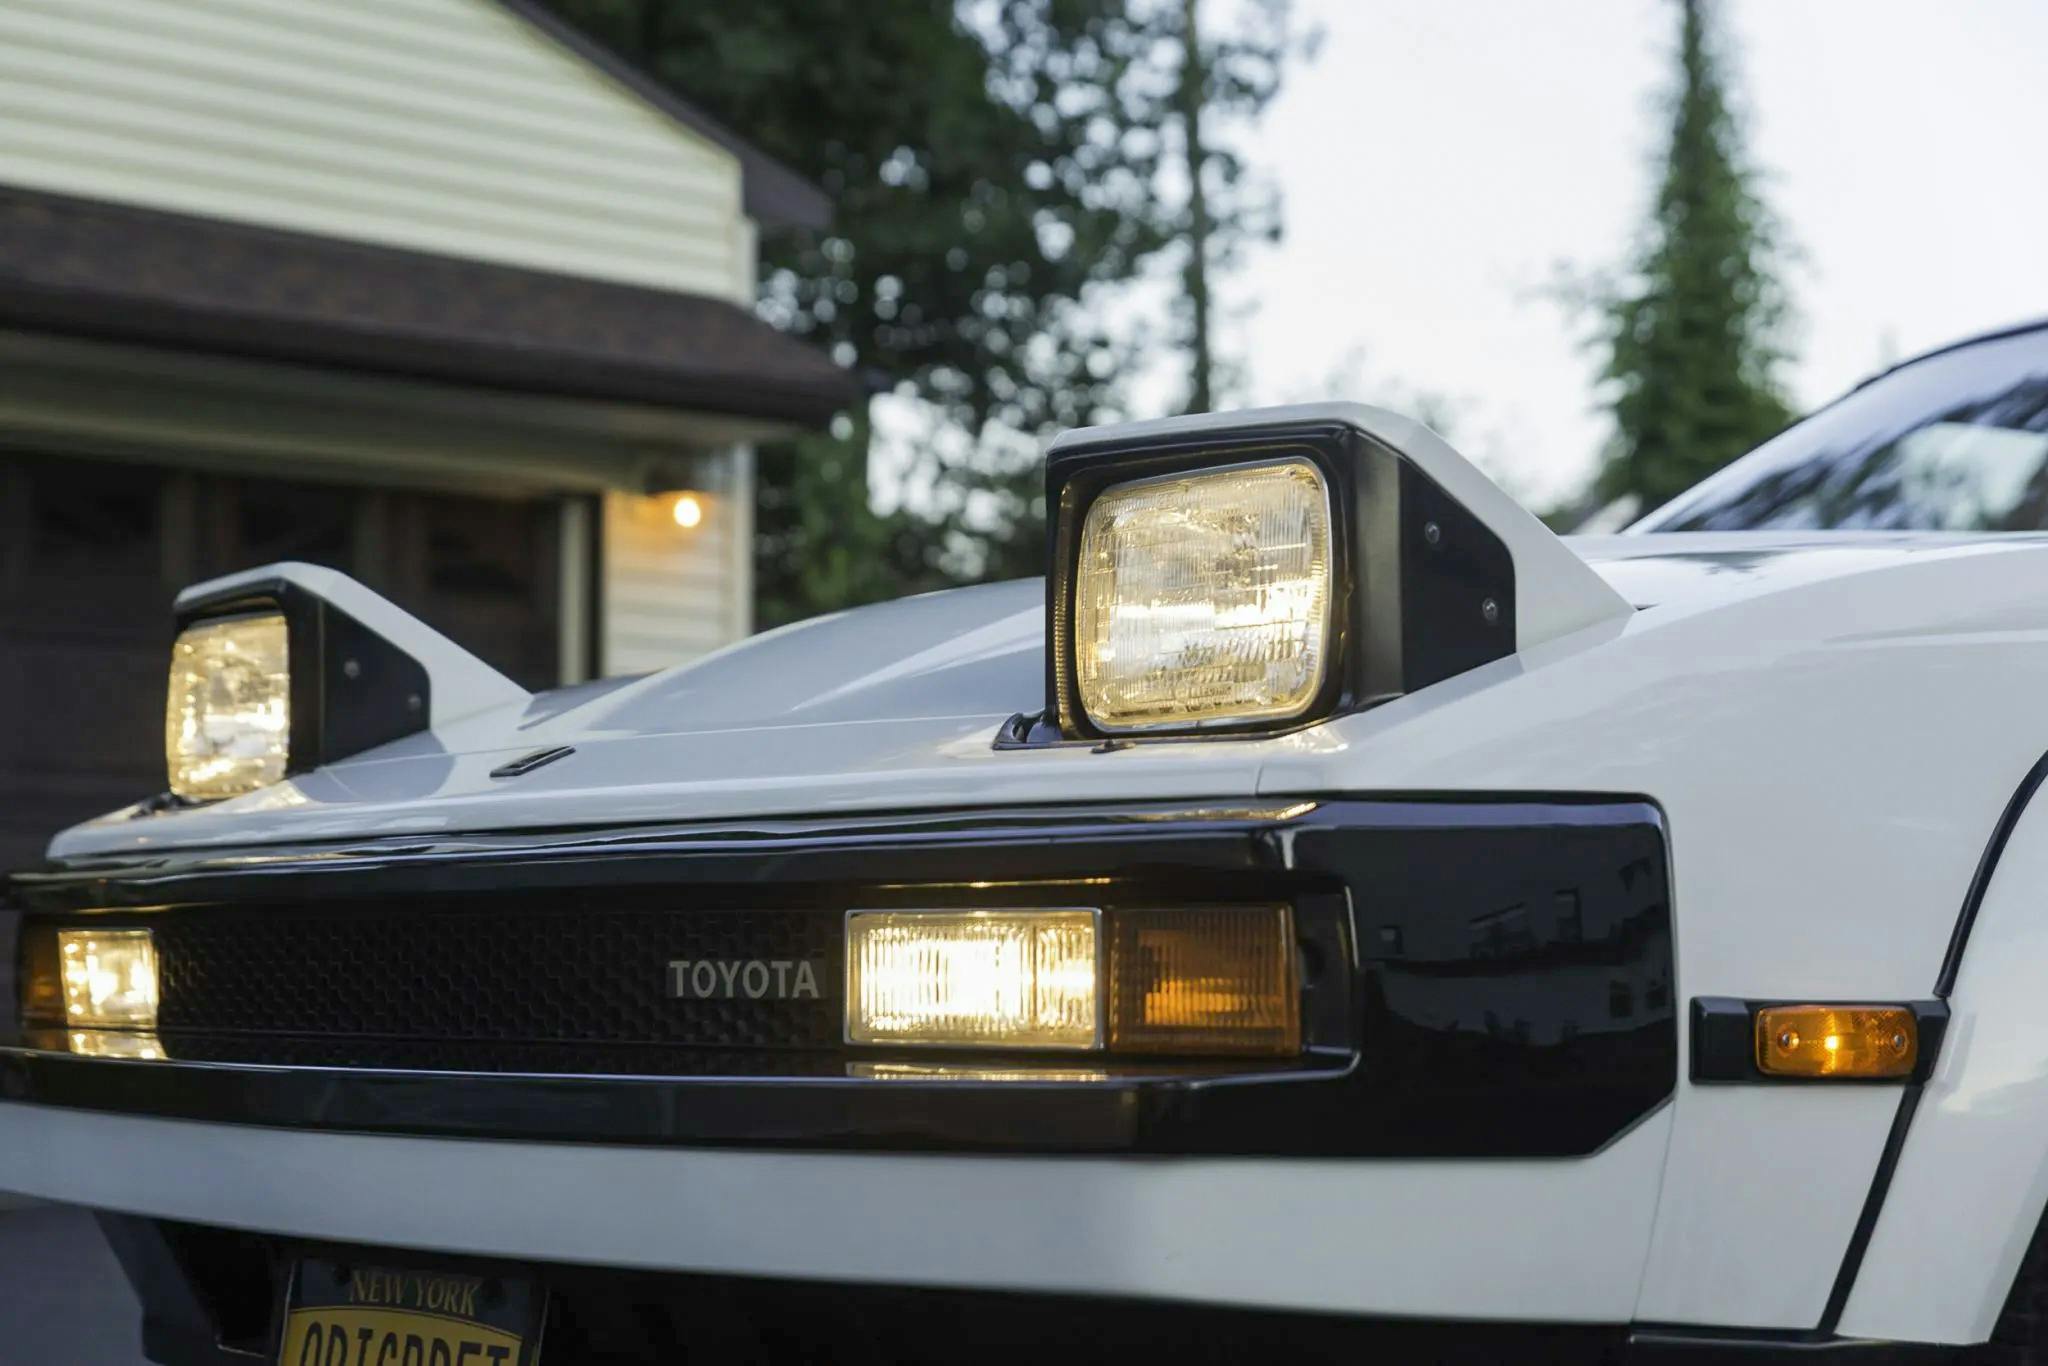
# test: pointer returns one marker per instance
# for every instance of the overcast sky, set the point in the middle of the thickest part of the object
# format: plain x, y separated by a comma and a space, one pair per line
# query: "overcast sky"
1440, 158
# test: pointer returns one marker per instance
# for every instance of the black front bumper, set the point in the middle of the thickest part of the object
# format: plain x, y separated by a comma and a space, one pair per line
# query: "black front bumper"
1481, 979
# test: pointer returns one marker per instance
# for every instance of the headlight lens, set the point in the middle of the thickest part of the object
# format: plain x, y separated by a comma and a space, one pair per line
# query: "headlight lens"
1001, 979
1204, 598
109, 978
227, 724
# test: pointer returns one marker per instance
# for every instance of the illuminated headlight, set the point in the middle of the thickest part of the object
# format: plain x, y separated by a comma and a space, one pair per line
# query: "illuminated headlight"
1204, 598
1003, 979
109, 978
227, 724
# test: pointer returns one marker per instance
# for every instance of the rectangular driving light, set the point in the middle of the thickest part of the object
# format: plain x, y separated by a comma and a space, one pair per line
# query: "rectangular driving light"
109, 978
974, 979
1847, 1042
227, 720
1205, 598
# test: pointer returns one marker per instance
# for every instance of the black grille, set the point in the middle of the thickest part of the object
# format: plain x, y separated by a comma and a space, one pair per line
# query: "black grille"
568, 973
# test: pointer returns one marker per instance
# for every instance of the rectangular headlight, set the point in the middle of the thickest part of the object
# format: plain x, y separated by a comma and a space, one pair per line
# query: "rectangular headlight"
998, 979
1195, 980
109, 977
1204, 598
227, 722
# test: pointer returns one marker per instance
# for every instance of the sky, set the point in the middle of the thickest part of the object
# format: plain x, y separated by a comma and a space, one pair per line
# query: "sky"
1440, 160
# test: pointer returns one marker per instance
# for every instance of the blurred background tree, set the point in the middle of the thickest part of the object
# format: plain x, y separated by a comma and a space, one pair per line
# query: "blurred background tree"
999, 169
1691, 342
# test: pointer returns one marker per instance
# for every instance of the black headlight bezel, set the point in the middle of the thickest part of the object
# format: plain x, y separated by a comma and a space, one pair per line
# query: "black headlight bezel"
349, 689
1421, 589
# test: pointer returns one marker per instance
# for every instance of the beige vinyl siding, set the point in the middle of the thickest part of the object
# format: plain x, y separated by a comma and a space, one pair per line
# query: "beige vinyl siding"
438, 125
673, 595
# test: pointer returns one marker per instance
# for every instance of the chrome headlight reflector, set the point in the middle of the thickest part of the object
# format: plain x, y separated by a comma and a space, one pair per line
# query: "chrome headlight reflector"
1205, 598
227, 721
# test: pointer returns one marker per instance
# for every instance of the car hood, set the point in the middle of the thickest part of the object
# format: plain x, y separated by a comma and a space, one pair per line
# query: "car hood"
889, 707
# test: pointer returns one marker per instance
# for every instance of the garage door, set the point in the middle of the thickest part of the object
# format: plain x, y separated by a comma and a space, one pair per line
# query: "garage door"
91, 553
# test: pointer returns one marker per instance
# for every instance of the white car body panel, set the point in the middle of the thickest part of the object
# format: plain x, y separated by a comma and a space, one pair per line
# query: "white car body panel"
1484, 1239
1972, 1180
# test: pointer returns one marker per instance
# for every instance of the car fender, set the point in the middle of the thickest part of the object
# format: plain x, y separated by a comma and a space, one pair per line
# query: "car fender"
1971, 1179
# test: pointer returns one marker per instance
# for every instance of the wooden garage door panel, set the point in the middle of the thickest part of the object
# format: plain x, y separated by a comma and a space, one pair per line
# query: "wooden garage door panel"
92, 552
86, 708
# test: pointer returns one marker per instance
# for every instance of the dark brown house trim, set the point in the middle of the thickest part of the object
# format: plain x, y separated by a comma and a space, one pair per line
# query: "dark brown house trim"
115, 272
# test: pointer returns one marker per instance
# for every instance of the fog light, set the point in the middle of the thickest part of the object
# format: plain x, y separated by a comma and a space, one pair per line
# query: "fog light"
1837, 1041
109, 978
986, 979
1204, 598
227, 721
1205, 981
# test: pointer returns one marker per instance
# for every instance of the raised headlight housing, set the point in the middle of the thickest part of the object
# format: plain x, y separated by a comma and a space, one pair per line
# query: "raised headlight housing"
1263, 571
279, 670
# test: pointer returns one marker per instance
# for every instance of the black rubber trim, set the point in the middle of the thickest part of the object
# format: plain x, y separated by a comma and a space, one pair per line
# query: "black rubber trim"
1693, 1346
1987, 865
1873, 1204
527, 763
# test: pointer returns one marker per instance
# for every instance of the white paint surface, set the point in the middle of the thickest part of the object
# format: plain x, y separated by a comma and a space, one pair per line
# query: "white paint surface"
1476, 1239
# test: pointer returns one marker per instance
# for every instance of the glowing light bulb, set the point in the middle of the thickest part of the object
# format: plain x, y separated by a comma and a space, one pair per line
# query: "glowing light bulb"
688, 510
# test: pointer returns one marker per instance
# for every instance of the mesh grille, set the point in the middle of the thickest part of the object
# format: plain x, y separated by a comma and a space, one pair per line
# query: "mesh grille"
565, 974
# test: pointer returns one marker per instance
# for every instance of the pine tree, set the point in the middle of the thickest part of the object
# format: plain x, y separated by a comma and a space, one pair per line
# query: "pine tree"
1692, 346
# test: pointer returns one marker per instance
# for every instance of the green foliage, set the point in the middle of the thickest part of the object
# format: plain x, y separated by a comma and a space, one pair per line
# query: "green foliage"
1692, 349
995, 167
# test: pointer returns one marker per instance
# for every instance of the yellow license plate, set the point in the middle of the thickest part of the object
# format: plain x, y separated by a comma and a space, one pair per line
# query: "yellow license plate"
352, 1314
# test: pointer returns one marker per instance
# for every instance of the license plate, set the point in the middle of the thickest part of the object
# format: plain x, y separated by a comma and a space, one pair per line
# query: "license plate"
355, 1314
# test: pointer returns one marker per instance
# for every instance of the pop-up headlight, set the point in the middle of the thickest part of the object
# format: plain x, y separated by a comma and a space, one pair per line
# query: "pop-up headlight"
1257, 571
282, 669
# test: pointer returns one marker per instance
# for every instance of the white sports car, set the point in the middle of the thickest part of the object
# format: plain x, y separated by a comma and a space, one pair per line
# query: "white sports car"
1330, 915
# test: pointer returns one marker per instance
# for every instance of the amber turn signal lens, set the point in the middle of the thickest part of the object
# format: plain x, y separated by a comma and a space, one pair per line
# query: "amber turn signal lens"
1204, 981
1848, 1042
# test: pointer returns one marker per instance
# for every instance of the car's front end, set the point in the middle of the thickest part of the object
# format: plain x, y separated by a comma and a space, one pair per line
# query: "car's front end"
1334, 915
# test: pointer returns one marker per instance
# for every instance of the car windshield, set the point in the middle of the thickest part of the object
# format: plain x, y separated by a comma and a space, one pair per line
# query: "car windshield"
1956, 442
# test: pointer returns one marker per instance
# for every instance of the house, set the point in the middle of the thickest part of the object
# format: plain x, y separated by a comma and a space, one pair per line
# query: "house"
429, 290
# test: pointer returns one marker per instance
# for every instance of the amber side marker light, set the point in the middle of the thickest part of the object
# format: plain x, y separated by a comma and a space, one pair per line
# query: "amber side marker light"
1862, 1042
